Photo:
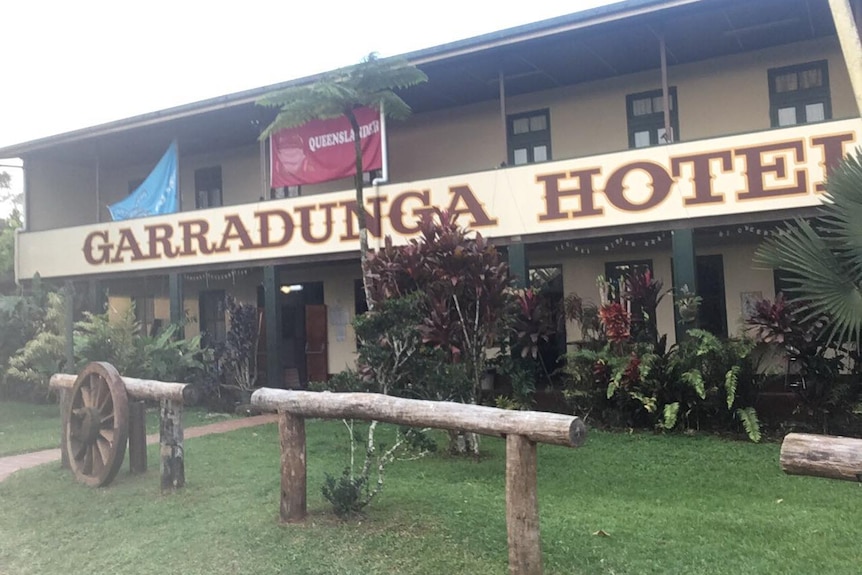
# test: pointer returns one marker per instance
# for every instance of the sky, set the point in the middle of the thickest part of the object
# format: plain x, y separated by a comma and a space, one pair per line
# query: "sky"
70, 65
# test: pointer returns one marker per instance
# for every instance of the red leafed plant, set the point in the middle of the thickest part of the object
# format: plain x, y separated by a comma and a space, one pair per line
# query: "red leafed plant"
616, 321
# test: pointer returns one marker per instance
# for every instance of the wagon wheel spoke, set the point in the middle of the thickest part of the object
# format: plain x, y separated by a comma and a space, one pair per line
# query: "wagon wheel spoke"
97, 421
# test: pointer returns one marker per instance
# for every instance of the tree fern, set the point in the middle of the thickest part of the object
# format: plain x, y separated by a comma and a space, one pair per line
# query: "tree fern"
748, 417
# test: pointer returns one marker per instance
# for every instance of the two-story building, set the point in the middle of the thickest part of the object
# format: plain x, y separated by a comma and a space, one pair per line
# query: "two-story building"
663, 134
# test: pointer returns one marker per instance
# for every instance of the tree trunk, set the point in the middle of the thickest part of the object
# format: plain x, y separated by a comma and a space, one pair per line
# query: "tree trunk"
822, 456
360, 208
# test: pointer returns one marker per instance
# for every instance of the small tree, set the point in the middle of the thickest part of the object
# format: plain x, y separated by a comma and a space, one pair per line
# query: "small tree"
371, 83
237, 356
465, 285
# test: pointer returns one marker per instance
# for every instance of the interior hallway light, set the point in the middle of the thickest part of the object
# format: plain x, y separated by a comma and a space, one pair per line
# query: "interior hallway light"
291, 288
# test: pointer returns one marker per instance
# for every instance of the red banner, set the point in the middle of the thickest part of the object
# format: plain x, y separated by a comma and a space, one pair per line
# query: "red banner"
322, 150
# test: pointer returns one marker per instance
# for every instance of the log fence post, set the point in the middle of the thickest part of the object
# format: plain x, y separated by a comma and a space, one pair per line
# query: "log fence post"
522, 507
291, 432
65, 398
137, 437
172, 466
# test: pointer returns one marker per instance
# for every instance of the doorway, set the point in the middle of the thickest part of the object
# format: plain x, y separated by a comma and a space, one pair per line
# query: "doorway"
303, 350
710, 287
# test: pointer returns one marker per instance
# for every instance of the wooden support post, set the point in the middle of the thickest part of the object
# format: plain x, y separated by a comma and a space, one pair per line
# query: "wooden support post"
291, 431
172, 465
65, 398
137, 437
522, 507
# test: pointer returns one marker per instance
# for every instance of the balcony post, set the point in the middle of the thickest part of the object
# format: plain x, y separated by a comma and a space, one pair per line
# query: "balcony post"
175, 287
270, 314
518, 265
684, 274
851, 45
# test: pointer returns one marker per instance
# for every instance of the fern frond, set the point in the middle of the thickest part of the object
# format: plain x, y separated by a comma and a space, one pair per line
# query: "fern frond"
669, 417
731, 380
694, 378
748, 417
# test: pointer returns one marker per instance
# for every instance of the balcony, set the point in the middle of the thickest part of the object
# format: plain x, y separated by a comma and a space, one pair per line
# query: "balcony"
779, 170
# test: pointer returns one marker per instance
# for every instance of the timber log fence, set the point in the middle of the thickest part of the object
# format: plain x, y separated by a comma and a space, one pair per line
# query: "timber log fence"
521, 429
129, 419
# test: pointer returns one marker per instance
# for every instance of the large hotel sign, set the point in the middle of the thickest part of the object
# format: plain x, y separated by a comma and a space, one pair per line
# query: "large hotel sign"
770, 170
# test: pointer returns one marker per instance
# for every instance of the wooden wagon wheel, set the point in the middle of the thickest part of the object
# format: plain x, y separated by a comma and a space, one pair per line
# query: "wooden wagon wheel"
97, 424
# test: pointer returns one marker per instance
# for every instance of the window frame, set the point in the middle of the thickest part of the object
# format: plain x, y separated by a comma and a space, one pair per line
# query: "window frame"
653, 121
799, 98
530, 139
204, 180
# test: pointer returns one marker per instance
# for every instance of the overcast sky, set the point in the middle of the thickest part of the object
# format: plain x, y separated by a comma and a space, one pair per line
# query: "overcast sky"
69, 65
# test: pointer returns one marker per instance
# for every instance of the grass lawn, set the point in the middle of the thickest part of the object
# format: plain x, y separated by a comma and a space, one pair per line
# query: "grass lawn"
670, 504
29, 427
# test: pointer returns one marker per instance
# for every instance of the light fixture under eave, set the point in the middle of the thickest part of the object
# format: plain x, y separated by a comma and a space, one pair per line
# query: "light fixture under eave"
291, 288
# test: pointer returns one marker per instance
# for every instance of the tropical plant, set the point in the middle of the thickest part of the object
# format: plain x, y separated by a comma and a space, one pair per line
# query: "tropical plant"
371, 83
822, 261
41, 356
702, 382
585, 315
237, 355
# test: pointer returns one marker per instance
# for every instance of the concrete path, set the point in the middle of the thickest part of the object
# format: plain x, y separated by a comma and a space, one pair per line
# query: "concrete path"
12, 463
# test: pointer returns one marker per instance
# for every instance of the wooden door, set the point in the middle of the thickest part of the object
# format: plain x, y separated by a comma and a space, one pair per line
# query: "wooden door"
316, 352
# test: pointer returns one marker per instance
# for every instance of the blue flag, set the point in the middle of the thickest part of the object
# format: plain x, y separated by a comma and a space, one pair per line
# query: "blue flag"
156, 195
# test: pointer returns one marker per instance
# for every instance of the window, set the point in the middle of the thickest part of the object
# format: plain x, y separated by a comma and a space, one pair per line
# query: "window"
145, 315
285, 192
529, 137
645, 113
643, 327
799, 94
212, 317
208, 187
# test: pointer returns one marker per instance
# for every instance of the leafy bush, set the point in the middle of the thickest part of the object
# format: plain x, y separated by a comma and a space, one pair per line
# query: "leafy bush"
237, 355
42, 355
348, 494
702, 382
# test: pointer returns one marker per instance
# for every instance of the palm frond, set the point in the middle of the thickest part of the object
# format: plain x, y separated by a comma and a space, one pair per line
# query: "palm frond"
820, 277
843, 208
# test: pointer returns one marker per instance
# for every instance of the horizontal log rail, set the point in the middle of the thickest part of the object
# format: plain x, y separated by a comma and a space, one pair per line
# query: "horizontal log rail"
539, 427
522, 430
138, 388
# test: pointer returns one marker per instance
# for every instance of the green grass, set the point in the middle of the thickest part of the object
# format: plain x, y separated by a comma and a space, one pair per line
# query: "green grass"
671, 504
30, 427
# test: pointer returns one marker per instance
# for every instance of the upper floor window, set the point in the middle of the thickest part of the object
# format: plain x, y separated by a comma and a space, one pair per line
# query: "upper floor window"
645, 112
208, 187
799, 94
285, 192
529, 136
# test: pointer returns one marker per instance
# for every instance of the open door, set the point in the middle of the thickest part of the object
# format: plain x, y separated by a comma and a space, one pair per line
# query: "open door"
316, 352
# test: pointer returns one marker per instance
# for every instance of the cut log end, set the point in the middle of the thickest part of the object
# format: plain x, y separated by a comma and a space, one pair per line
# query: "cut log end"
577, 432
